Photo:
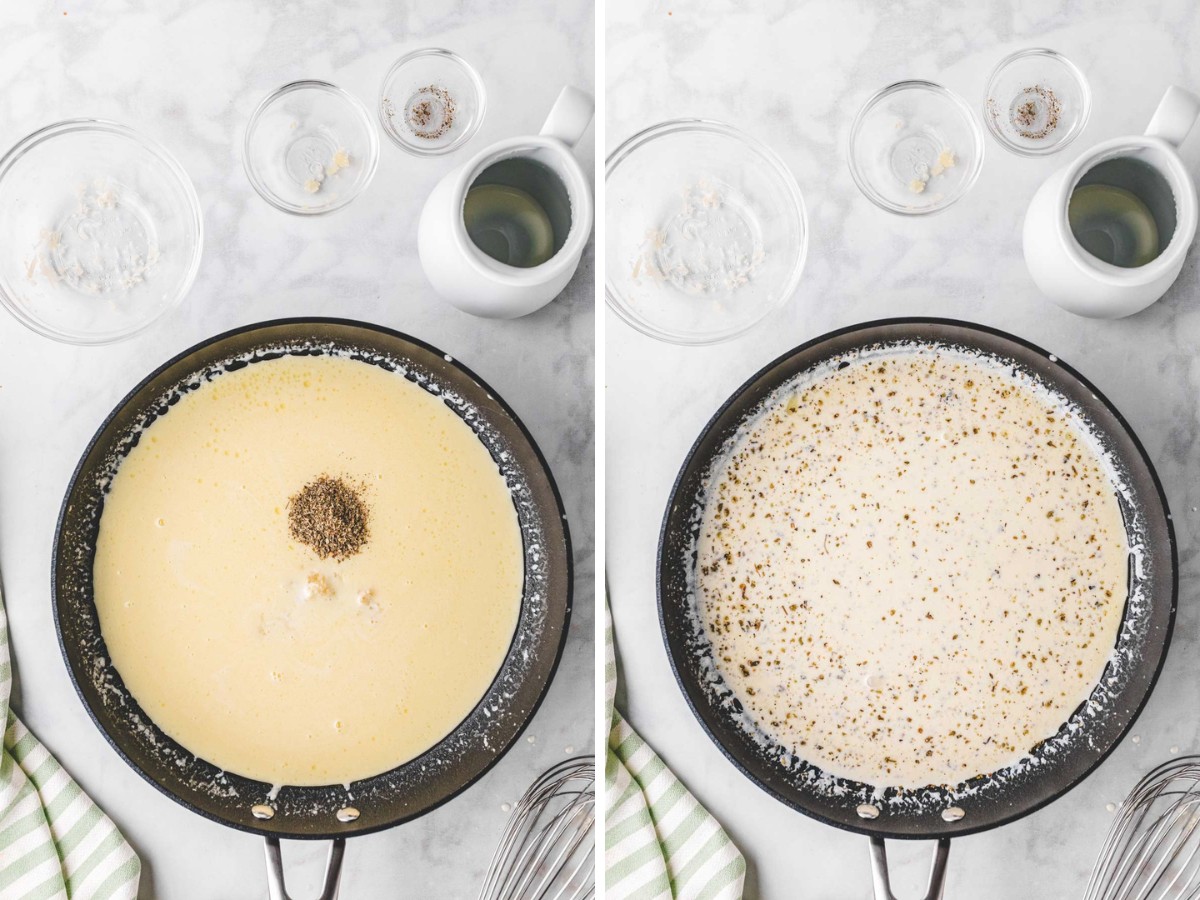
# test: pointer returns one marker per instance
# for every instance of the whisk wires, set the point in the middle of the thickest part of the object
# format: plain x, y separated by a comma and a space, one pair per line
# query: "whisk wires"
1152, 851
547, 851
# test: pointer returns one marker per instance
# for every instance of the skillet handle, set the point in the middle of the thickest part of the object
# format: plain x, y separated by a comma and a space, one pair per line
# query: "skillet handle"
333, 870
937, 873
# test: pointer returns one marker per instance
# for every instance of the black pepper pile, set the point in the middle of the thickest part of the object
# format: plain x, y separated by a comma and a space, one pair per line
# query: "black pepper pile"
1047, 108
423, 116
330, 517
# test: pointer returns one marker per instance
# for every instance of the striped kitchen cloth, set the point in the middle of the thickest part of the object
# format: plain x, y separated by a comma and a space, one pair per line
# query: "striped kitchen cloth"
659, 843
55, 843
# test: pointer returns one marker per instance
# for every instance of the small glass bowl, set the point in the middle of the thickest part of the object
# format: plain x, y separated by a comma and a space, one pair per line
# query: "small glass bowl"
101, 231
1037, 102
310, 148
706, 232
915, 148
432, 101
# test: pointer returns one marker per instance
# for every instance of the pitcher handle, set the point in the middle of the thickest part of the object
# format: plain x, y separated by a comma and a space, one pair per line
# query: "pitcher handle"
570, 115
937, 872
276, 890
1176, 113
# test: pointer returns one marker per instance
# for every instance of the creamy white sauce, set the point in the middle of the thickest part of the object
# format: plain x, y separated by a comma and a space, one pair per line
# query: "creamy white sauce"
912, 569
249, 649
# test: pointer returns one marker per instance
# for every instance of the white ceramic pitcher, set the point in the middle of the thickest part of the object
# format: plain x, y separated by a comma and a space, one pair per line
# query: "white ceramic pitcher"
1084, 284
466, 276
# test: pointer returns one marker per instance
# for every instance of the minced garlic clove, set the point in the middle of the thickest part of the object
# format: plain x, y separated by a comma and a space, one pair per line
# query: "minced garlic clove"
341, 160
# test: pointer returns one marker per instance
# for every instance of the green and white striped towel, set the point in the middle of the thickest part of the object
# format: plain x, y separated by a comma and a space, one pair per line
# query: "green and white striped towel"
55, 843
659, 842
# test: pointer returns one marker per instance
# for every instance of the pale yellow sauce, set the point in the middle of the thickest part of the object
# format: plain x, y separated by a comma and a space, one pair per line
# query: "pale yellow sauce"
245, 646
912, 570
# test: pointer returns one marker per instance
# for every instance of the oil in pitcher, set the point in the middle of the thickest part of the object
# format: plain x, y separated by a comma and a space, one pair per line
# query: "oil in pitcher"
516, 211
1122, 212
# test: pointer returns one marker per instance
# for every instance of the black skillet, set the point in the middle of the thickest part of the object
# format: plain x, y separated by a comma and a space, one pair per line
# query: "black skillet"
415, 788
1059, 763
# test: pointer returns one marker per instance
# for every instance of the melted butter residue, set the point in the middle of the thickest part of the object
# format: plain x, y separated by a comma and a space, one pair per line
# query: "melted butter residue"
912, 569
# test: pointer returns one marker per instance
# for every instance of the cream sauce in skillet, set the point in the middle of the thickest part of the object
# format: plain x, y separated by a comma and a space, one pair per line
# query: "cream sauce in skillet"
912, 569
243, 643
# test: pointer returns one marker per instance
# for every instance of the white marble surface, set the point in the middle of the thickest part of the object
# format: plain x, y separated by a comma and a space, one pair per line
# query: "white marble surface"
189, 73
794, 74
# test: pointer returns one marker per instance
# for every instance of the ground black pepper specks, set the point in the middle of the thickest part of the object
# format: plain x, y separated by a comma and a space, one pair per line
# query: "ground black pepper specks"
911, 568
329, 516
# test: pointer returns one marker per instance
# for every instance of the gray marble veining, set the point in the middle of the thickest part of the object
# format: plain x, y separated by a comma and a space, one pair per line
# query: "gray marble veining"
189, 74
794, 74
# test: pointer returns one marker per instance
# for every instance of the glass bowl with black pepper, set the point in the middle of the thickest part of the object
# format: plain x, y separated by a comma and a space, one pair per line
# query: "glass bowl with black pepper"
1037, 102
706, 228
432, 102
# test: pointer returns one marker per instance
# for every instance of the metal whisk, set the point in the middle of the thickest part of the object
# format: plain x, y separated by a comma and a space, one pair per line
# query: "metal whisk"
1152, 851
548, 848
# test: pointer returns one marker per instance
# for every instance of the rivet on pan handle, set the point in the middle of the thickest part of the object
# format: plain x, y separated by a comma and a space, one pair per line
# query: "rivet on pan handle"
333, 870
937, 874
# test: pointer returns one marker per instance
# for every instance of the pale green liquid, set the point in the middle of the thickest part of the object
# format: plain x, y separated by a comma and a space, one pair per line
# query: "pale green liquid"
509, 225
1114, 225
